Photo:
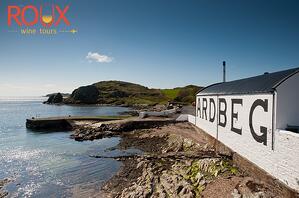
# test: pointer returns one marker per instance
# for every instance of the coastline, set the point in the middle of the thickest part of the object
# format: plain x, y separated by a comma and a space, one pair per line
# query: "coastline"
133, 107
177, 161
23, 149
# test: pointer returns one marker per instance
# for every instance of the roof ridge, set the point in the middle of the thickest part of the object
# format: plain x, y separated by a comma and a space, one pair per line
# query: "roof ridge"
264, 83
284, 79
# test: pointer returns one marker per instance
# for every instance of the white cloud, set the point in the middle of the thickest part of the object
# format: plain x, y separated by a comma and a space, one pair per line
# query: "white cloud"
96, 57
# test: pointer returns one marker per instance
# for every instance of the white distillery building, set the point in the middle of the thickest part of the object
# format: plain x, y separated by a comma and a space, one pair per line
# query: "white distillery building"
258, 118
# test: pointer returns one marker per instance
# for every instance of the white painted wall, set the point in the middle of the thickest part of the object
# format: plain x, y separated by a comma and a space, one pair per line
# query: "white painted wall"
186, 117
191, 119
285, 158
182, 118
260, 118
282, 162
209, 127
287, 103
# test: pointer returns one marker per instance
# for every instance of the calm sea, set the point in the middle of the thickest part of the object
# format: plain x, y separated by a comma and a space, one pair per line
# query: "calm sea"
51, 164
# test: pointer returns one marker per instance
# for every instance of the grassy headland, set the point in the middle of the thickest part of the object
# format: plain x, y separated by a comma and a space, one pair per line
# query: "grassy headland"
129, 94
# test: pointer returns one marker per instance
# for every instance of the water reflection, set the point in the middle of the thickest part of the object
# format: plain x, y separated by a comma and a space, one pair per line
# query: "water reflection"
52, 164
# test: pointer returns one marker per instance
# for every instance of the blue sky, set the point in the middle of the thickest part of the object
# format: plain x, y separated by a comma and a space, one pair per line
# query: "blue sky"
156, 43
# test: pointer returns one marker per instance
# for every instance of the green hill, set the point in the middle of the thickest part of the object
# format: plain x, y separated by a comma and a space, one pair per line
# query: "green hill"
181, 94
118, 93
125, 93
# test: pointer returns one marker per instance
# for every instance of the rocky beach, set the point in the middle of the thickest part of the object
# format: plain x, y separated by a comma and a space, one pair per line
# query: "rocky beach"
178, 160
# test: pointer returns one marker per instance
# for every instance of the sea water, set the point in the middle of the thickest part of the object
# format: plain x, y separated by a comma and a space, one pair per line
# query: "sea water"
50, 164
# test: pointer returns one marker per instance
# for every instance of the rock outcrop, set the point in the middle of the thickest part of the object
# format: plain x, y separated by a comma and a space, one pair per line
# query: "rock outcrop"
54, 99
84, 95
102, 130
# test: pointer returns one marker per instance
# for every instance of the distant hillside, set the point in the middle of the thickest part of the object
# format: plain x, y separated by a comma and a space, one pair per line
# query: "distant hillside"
118, 92
182, 94
125, 93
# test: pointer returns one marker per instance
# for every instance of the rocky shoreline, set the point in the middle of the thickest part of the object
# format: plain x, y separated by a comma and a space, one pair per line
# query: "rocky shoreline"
177, 162
4, 182
91, 131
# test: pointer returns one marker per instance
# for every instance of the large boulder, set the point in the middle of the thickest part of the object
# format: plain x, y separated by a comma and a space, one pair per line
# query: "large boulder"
58, 98
54, 99
50, 99
85, 95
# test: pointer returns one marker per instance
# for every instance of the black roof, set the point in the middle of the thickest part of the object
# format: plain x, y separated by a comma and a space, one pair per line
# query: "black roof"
265, 83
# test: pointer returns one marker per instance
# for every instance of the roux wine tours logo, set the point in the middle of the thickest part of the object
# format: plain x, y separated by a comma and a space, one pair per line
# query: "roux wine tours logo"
48, 19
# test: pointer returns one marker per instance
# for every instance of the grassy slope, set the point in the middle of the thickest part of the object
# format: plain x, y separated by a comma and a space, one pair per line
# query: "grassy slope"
182, 94
187, 94
118, 92
171, 94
